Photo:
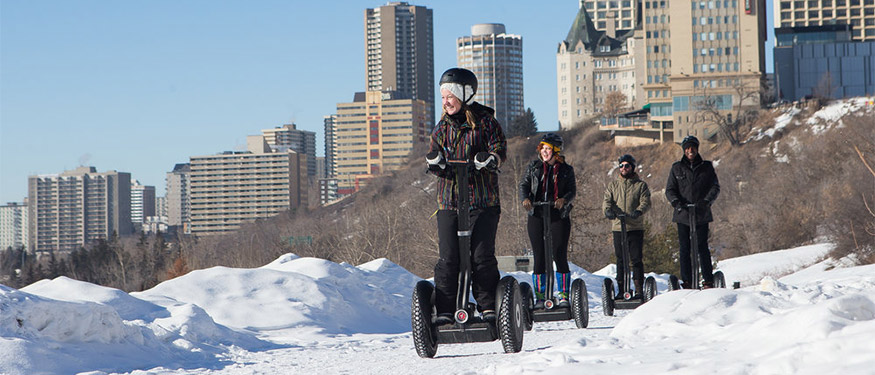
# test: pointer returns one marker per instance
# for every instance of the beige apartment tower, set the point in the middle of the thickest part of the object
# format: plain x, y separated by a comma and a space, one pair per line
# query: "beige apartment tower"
496, 58
717, 54
374, 134
399, 51
859, 14
236, 187
69, 210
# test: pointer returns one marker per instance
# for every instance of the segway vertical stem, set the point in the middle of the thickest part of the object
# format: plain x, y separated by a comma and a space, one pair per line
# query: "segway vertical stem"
627, 269
694, 248
463, 211
548, 254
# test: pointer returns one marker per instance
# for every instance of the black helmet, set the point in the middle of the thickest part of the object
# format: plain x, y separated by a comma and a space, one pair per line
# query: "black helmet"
689, 141
462, 81
554, 140
626, 158
461, 76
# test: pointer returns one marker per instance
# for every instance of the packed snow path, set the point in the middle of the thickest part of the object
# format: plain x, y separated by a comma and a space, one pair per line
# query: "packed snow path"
793, 315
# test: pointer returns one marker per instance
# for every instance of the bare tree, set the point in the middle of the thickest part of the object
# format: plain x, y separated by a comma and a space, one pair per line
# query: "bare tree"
733, 113
615, 102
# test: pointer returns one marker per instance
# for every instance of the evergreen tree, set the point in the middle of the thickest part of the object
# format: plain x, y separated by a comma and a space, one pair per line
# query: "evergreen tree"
522, 126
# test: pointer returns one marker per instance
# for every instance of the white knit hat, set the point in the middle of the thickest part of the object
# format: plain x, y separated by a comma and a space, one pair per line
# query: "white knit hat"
459, 91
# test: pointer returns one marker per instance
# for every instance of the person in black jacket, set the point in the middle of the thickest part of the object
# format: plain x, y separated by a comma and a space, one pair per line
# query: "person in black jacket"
549, 179
693, 180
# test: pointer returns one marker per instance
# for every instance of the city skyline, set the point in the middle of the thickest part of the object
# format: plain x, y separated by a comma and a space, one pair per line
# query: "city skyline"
139, 88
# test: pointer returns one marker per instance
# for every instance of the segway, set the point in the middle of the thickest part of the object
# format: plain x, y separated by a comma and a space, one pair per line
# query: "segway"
467, 328
719, 279
578, 308
626, 301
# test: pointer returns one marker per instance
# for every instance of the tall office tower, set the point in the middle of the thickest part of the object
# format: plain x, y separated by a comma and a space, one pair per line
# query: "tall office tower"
590, 65
178, 197
330, 123
13, 226
236, 187
859, 14
161, 206
496, 58
68, 210
375, 134
399, 52
717, 54
142, 202
288, 137
626, 13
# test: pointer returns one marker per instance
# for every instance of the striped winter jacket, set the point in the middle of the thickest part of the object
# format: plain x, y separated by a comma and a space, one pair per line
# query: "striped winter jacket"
460, 140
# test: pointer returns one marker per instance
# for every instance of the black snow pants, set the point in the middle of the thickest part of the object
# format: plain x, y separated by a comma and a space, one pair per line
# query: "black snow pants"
560, 230
704, 255
636, 259
484, 265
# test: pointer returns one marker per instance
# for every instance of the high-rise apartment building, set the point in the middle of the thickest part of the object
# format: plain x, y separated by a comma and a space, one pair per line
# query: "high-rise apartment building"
330, 124
178, 197
374, 134
590, 65
13, 226
236, 187
142, 202
289, 137
717, 56
625, 13
496, 58
399, 51
859, 14
68, 210
161, 206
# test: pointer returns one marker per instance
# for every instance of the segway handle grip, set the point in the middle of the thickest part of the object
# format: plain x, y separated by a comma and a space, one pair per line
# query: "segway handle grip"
548, 203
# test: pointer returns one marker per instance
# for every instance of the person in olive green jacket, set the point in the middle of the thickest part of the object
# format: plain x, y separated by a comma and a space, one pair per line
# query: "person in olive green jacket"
630, 196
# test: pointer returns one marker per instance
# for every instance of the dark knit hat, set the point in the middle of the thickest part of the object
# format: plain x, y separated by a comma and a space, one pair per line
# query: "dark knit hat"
689, 141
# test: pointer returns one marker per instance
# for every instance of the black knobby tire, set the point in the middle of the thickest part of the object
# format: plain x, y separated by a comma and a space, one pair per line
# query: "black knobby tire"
528, 302
579, 303
608, 297
510, 315
719, 280
649, 288
673, 283
420, 320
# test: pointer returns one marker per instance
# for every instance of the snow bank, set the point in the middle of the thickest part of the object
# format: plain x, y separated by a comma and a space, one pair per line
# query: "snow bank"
296, 292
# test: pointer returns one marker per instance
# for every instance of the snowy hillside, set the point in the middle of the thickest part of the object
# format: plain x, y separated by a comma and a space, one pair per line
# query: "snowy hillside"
793, 314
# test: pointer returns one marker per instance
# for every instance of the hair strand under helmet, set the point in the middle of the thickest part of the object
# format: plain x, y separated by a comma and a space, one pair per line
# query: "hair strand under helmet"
689, 141
460, 82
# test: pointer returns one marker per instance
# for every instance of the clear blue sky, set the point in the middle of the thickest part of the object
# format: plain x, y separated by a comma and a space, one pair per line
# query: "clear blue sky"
141, 86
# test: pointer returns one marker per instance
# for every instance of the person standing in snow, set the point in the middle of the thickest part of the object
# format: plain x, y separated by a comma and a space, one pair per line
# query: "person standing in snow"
467, 131
630, 196
693, 180
549, 179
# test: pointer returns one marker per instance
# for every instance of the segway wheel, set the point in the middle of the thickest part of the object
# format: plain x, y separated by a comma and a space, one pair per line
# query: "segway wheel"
579, 303
510, 314
608, 297
719, 280
649, 288
528, 302
420, 320
673, 283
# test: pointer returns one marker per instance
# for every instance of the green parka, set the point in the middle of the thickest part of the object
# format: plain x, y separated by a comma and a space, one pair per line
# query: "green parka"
625, 195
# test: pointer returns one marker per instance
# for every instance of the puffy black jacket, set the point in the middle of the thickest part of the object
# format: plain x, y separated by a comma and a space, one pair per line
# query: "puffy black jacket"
694, 182
531, 180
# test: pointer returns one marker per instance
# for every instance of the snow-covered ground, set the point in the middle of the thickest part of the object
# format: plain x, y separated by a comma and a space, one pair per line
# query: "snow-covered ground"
795, 314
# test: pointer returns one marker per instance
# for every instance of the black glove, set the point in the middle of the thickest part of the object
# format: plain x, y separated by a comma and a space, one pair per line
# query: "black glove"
678, 206
609, 213
705, 204
435, 161
486, 160
636, 214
